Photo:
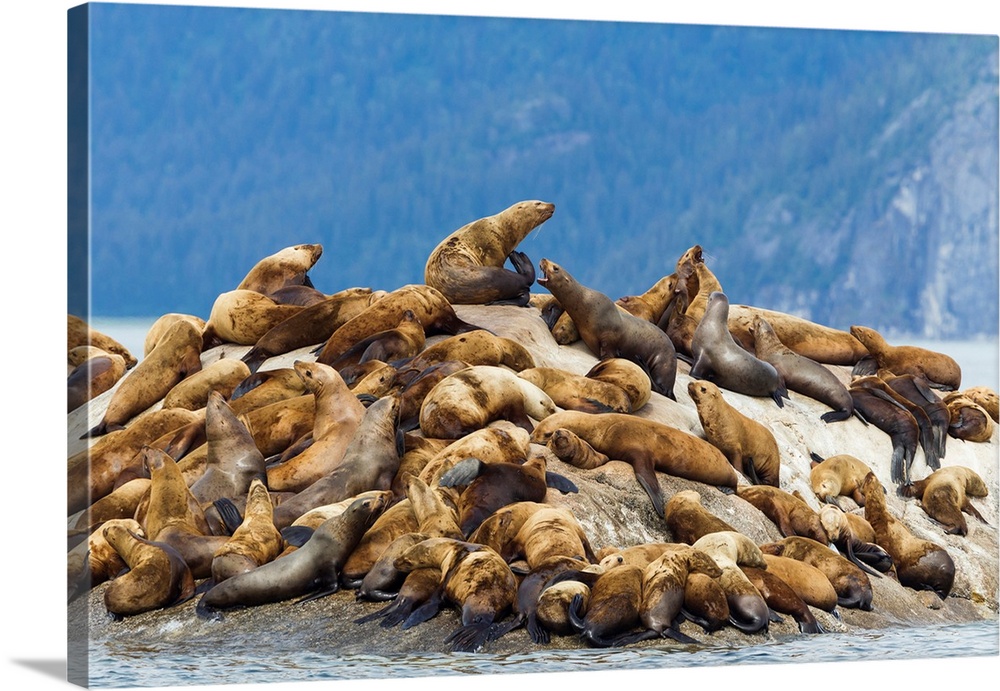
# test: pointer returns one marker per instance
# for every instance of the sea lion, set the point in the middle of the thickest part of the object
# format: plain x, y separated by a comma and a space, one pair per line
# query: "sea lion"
499, 530
403, 341
162, 325
790, 514
550, 531
395, 521
473, 397
730, 550
663, 589
475, 347
987, 398
157, 576
95, 560
277, 426
223, 376
574, 392
850, 583
338, 415
837, 476
413, 393
801, 374
650, 305
823, 344
430, 307
121, 503
720, 359
311, 570
501, 442
967, 420
895, 420
920, 564
243, 317
177, 356
854, 537
613, 610
92, 377
287, 267
301, 295
609, 331
254, 543
79, 333
646, 445
467, 266
940, 370
928, 431
687, 520
916, 390
314, 518
383, 580
705, 602
944, 495
263, 388
806, 580
552, 607
626, 375
780, 597
747, 444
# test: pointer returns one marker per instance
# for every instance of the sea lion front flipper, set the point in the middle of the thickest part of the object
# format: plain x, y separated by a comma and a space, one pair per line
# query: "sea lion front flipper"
646, 475
330, 589
852, 557
229, 514
560, 482
296, 535
675, 633
428, 610
751, 472
462, 473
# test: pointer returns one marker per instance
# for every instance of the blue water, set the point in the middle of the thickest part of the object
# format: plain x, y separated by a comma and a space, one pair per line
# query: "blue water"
117, 665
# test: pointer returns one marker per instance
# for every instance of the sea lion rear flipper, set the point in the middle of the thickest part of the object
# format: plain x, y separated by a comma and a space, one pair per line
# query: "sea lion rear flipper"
462, 473
751, 472
835, 416
254, 358
229, 514
675, 633
629, 638
428, 610
646, 476
204, 586
560, 482
773, 616
316, 595
296, 535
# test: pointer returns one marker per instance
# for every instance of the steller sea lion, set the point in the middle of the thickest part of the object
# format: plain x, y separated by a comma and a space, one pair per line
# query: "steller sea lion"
780, 597
940, 370
223, 376
837, 476
255, 542
944, 495
99, 372
849, 581
790, 514
731, 550
806, 580
403, 341
967, 420
157, 576
287, 267
687, 520
79, 333
243, 317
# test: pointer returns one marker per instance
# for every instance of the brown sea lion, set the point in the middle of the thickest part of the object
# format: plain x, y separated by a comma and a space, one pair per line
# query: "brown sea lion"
967, 420
92, 377
663, 588
121, 503
896, 421
801, 374
79, 333
223, 376
255, 542
287, 267
720, 359
817, 342
552, 606
849, 581
94, 560
687, 520
338, 415
944, 495
806, 580
473, 397
403, 341
243, 317
499, 530
613, 609
650, 305
162, 325
920, 564
730, 550
501, 442
396, 520
747, 444
790, 514
157, 576
550, 531
837, 476
987, 398
705, 602
940, 370
383, 580
265, 387
301, 295
276, 426
312, 570
413, 393
467, 266
646, 445
177, 356
476, 347
626, 375
780, 597
611, 332
574, 392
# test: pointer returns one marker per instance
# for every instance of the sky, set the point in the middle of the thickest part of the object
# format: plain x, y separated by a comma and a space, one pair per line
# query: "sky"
32, 48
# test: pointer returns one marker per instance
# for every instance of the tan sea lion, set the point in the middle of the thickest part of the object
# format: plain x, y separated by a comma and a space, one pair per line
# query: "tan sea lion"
551, 531
650, 305
850, 583
404, 340
121, 503
687, 520
177, 356
552, 607
499, 530
338, 415
720, 359
500, 442
383, 580
162, 325
817, 342
255, 542
967, 420
157, 576
944, 495
940, 370
79, 333
663, 588
287, 267
626, 375
473, 397
276, 426
790, 514
574, 392
243, 317
837, 476
611, 332
467, 266
223, 376
920, 564
265, 387
92, 377
476, 347
730, 550
413, 393
94, 560
806, 580
747, 444
987, 398
396, 520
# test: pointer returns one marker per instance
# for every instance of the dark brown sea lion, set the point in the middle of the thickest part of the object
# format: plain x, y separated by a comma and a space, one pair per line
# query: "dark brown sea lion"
705, 602
287, 267
663, 588
940, 370
301, 295
613, 610
895, 420
850, 582
920, 564
790, 514
688, 521
611, 332
157, 576
731, 550
177, 356
782, 598
916, 390
944, 495
467, 266
927, 429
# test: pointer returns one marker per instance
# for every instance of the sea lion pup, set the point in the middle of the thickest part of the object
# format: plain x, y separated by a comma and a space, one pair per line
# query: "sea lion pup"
79, 333
369, 462
429, 306
646, 445
404, 340
781, 598
476, 347
838, 476
243, 317
940, 370
491, 486
92, 377
254, 543
609, 331
920, 564
338, 416
314, 324
626, 375
852, 586
801, 374
747, 444
177, 356
158, 577
967, 420
472, 398
573, 392
475, 579
501, 442
895, 420
222, 376
944, 495
91, 473
688, 521
94, 560
467, 266
915, 390
790, 514
312, 570
987, 398
720, 359
287, 267
925, 427
748, 610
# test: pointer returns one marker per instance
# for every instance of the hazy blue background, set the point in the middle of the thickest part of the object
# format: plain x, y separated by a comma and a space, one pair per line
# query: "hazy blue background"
219, 136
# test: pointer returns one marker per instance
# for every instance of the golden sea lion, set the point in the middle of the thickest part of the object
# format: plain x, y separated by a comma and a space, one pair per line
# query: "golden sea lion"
223, 376
944, 495
255, 542
817, 342
243, 317
790, 514
574, 392
940, 370
806, 580
99, 371
849, 581
157, 576
687, 520
730, 550
837, 476
287, 267
95, 560
475, 347
79, 333
967, 420
780, 597
162, 325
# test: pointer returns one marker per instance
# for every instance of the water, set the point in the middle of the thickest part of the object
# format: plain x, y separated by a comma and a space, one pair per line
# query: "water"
118, 666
